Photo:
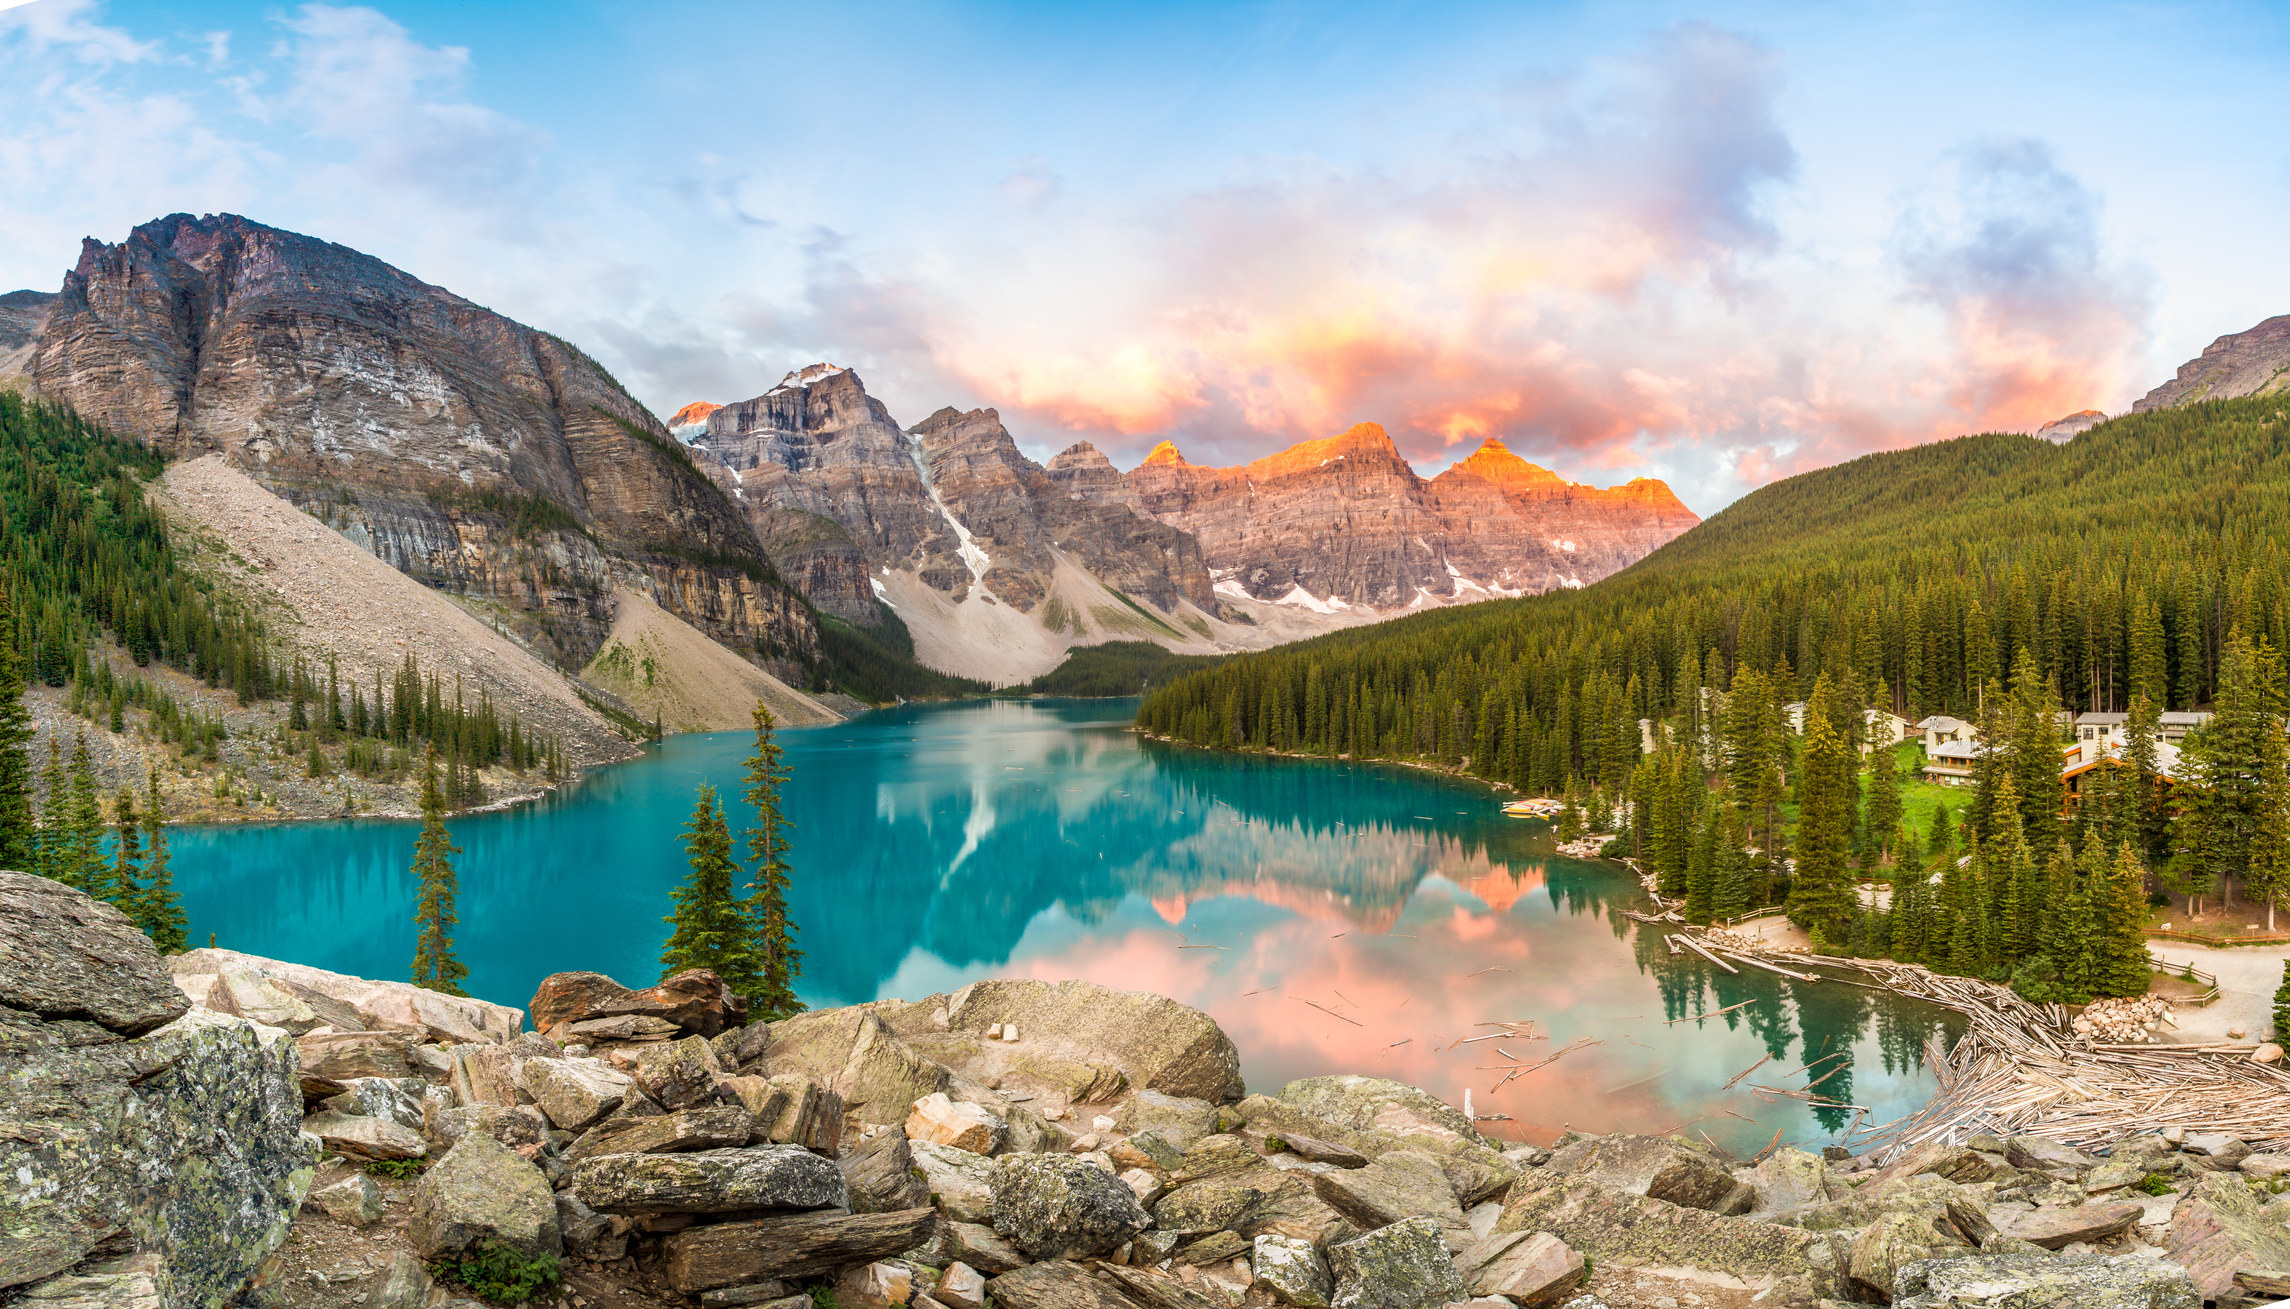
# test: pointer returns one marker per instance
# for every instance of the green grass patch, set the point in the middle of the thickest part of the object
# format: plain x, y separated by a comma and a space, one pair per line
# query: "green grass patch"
497, 1274
1116, 668
394, 1169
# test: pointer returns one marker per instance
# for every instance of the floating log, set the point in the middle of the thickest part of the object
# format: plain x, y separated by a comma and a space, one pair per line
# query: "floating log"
1697, 948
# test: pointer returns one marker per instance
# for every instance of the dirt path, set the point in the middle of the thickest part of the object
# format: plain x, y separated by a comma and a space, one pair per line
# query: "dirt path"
669, 669
2247, 976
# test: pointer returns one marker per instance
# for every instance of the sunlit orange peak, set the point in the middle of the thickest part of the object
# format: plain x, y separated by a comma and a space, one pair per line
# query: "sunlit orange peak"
1494, 461
1165, 453
693, 414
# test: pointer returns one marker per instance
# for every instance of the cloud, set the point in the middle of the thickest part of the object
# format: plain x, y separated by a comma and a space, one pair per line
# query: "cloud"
2011, 252
46, 27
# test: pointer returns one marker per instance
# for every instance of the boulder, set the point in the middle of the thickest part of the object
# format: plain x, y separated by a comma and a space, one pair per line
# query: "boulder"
1291, 1272
854, 1054
694, 1001
958, 1123
589, 1234
677, 1074
357, 1137
687, 1129
2052, 1228
1403, 1266
575, 1093
1529, 1269
960, 1183
1656, 1167
1315, 1150
2020, 1281
514, 1128
404, 1284
1476, 1174
2038, 1154
2218, 1227
1355, 1103
1156, 1290
1788, 1179
979, 1246
66, 956
1157, 1043
481, 1191
717, 1181
254, 995
1071, 1080
960, 1287
396, 1006
1402, 1184
1179, 1120
398, 1099
332, 1060
1603, 1224
1059, 1207
787, 1246
176, 1142
881, 1175
878, 1285
2265, 1166
484, 1073
1057, 1284
2215, 1145
1221, 1153
1893, 1242
354, 1201
737, 1046
1215, 1248
809, 1115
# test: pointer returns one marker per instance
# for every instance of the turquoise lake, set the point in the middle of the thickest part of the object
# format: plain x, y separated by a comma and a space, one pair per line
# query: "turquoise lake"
1332, 917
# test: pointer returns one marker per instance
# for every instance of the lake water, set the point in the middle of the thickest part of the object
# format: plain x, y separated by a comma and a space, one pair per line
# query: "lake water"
1332, 917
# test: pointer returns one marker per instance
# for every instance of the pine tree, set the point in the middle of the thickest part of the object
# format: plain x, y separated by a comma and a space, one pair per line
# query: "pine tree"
2267, 875
1882, 812
82, 861
1701, 869
1823, 893
2122, 926
48, 857
766, 904
17, 832
709, 929
160, 911
126, 853
2282, 1005
1730, 881
434, 967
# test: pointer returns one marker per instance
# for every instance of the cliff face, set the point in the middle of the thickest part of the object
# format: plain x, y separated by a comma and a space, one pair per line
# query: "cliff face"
469, 450
2256, 362
947, 524
1345, 522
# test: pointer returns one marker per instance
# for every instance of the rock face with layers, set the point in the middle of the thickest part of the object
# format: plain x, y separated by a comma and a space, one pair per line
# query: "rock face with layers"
126, 1121
2256, 362
946, 514
1347, 520
473, 452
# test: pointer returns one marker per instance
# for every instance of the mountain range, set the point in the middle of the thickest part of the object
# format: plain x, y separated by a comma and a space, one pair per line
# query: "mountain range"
805, 530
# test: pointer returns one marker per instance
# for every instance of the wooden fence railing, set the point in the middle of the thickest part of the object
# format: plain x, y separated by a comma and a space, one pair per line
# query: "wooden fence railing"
2186, 973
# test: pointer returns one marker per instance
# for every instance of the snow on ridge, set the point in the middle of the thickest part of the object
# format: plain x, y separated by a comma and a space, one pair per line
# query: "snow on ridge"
1304, 599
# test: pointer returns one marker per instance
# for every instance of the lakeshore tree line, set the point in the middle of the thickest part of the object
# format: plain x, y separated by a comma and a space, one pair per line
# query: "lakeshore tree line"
1998, 578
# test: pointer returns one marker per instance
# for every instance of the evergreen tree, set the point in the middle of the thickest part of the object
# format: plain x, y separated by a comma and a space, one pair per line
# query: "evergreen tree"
49, 853
2282, 1004
709, 928
434, 967
1701, 869
1730, 880
126, 853
766, 904
82, 862
160, 911
1882, 812
2122, 926
17, 832
1823, 892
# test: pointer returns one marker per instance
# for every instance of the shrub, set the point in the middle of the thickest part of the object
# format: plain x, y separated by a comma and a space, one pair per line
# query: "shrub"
2155, 1184
498, 1274
400, 1169
2038, 982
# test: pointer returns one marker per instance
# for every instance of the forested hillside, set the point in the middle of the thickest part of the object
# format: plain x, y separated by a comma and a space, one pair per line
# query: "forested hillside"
1998, 578
2119, 561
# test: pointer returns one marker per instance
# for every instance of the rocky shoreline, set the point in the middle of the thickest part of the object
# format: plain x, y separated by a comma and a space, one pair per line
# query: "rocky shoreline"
216, 1128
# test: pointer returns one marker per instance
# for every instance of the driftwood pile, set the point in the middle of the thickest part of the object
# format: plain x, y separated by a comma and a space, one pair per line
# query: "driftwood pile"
2023, 1069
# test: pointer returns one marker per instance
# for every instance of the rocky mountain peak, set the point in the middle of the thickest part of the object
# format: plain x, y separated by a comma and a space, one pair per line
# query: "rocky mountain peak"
1164, 455
1084, 472
2256, 362
2063, 429
691, 418
811, 373
1494, 461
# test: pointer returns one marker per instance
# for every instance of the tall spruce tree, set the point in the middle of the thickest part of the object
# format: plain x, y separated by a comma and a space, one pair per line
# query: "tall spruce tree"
709, 930
2121, 925
766, 906
82, 862
18, 834
1882, 811
434, 967
126, 853
160, 911
1823, 894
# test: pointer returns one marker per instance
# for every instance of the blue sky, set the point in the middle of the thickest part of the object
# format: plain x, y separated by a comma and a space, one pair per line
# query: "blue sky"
1711, 243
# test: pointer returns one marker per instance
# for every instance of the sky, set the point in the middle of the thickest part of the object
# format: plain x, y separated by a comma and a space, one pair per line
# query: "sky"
1717, 244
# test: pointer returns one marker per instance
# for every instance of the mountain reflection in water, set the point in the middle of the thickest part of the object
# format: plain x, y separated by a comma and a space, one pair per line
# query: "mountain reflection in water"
1332, 917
